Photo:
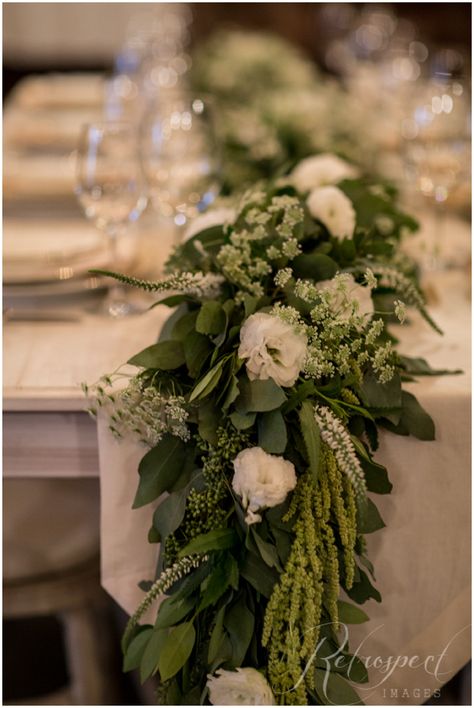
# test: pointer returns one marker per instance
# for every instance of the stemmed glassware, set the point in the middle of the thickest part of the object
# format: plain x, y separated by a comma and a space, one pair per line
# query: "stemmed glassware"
179, 155
111, 190
436, 147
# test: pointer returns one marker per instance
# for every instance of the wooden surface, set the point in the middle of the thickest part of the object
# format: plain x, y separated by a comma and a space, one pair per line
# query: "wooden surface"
46, 429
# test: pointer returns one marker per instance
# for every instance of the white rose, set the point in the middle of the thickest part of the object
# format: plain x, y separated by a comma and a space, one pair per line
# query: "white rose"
341, 298
214, 217
272, 348
331, 206
321, 170
262, 480
244, 687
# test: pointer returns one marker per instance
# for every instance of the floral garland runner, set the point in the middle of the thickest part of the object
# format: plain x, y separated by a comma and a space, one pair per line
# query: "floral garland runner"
261, 405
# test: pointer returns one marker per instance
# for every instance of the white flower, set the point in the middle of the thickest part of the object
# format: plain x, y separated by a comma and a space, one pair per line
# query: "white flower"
273, 349
344, 291
262, 480
321, 170
214, 217
244, 687
331, 206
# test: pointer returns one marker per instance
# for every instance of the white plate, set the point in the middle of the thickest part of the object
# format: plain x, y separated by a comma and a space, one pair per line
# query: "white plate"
36, 252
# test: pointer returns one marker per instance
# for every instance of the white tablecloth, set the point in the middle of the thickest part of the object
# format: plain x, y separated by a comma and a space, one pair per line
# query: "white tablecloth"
422, 558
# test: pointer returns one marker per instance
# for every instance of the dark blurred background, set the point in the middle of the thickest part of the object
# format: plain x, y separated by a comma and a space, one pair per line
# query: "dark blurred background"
42, 37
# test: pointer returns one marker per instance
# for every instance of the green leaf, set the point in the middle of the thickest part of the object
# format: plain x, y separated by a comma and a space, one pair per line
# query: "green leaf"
184, 326
176, 650
208, 382
232, 393
268, 551
216, 540
242, 421
332, 689
218, 638
272, 435
209, 419
172, 611
311, 437
159, 469
136, 649
259, 575
363, 589
376, 477
163, 355
166, 330
225, 573
377, 395
173, 300
420, 367
152, 653
350, 614
368, 518
315, 266
211, 318
170, 513
416, 419
197, 348
259, 396
240, 624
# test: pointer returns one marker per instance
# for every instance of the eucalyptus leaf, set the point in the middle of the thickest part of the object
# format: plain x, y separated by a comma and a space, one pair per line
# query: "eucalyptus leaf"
368, 518
216, 540
240, 624
267, 551
242, 421
362, 589
172, 611
166, 356
197, 349
259, 575
136, 648
377, 395
259, 396
211, 318
224, 574
332, 689
170, 513
350, 614
316, 266
176, 650
152, 653
272, 436
159, 469
376, 477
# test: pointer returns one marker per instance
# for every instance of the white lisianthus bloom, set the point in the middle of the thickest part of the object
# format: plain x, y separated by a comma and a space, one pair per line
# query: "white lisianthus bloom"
321, 170
214, 217
344, 291
262, 480
272, 348
243, 687
331, 206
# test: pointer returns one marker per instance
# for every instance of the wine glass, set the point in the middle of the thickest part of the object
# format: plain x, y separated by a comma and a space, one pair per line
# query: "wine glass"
110, 189
436, 136
179, 156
